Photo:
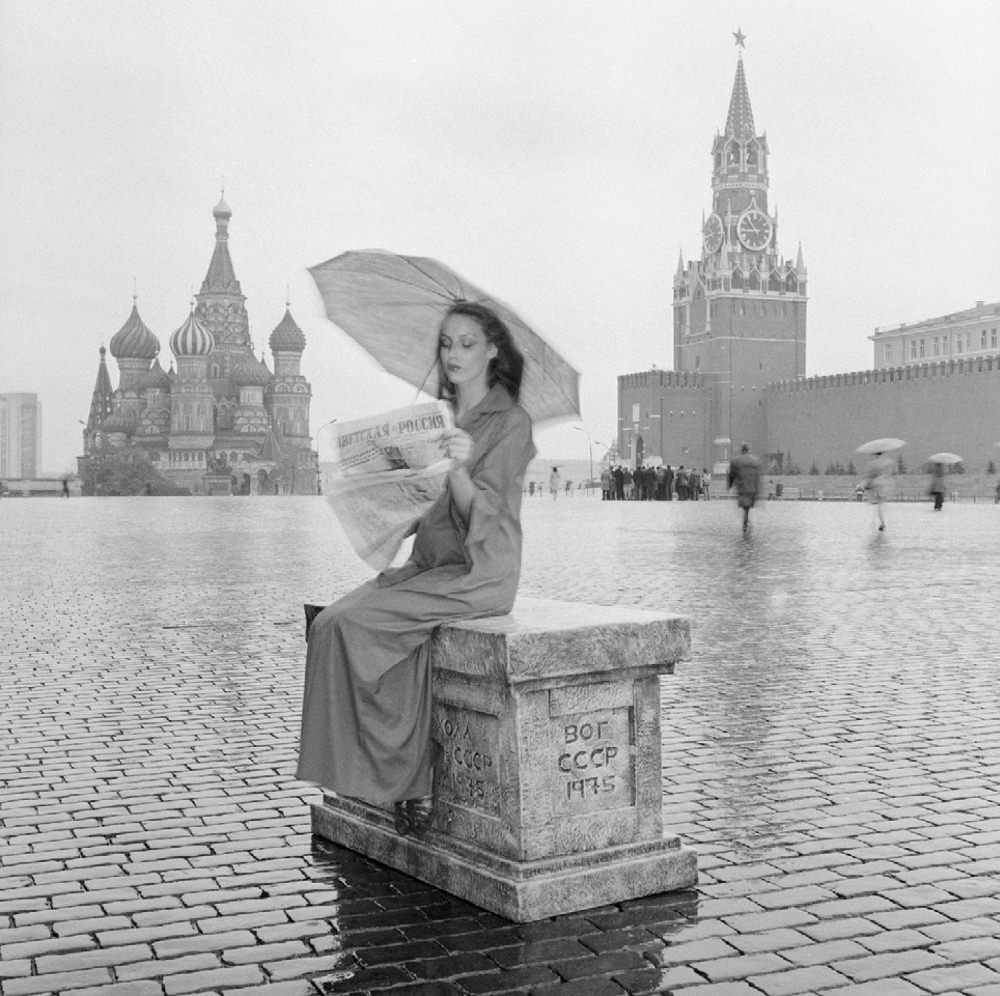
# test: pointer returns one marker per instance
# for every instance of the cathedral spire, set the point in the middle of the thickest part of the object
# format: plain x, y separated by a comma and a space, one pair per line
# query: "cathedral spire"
102, 400
221, 277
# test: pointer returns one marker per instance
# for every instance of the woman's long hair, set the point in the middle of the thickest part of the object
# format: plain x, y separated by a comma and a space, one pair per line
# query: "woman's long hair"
506, 368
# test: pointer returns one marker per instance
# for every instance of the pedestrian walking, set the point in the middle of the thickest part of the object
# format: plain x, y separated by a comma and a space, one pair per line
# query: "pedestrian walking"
366, 715
744, 475
879, 484
555, 482
936, 487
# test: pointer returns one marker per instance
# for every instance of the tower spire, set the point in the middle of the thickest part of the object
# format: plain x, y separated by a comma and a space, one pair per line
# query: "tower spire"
102, 400
739, 120
221, 276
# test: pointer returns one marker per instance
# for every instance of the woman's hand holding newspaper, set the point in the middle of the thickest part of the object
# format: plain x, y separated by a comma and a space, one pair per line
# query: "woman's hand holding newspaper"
457, 444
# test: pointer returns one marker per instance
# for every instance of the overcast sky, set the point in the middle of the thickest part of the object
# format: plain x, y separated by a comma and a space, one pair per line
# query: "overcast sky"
554, 153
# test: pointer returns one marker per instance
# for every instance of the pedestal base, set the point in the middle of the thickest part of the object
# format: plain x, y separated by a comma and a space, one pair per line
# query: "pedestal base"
518, 890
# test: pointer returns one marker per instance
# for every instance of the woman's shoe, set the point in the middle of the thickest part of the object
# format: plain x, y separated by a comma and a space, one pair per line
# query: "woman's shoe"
401, 818
421, 814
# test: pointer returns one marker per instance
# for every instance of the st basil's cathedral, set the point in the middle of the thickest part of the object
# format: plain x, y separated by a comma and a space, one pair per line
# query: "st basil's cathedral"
222, 422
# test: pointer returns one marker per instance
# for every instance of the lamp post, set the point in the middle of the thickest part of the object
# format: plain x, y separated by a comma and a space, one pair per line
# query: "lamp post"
590, 451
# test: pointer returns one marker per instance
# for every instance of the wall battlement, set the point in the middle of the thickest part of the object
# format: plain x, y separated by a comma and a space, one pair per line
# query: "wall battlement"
663, 378
890, 375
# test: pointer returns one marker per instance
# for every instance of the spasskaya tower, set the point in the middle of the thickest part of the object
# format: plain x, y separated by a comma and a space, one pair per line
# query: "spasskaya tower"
740, 309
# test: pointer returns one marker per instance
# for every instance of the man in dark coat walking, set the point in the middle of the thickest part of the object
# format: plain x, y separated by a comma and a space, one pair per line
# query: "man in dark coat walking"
744, 473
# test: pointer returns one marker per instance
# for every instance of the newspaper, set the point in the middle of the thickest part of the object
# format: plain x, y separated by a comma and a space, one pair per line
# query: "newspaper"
389, 469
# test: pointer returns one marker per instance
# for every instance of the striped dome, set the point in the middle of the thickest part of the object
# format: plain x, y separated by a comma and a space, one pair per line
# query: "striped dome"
133, 340
192, 339
156, 378
287, 335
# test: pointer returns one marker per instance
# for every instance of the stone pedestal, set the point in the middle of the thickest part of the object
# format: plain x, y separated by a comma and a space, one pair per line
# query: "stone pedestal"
548, 776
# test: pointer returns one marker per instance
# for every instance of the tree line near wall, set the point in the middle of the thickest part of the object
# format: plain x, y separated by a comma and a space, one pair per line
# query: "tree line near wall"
837, 469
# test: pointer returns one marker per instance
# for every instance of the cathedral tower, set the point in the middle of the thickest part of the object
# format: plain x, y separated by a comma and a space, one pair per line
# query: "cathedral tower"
290, 393
740, 309
101, 407
134, 347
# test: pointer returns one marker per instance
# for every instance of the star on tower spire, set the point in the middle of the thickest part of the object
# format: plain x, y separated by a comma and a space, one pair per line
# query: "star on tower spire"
740, 38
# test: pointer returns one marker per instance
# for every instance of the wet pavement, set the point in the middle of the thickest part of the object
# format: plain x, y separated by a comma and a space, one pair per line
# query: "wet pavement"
832, 752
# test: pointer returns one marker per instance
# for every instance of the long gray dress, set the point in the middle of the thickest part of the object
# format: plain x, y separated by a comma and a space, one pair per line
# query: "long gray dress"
366, 713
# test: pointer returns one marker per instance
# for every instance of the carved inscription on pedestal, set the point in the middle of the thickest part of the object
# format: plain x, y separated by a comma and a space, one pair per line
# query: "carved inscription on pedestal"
593, 761
468, 771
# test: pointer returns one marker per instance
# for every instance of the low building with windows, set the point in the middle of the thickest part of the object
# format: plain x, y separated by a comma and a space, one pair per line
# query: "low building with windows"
962, 334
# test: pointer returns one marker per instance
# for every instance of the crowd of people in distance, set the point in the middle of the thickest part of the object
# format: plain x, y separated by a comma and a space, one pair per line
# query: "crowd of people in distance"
663, 483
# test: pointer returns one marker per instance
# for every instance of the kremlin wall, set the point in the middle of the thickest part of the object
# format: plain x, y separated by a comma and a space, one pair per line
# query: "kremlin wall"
951, 405
739, 348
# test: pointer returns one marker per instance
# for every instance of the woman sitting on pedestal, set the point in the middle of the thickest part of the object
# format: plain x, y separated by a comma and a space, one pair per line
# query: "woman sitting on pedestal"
366, 716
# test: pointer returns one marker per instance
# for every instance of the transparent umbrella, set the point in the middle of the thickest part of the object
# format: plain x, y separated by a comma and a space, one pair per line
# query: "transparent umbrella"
393, 305
886, 445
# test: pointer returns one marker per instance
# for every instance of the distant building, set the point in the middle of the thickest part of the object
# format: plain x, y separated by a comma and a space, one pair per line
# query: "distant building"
739, 351
222, 422
962, 335
20, 435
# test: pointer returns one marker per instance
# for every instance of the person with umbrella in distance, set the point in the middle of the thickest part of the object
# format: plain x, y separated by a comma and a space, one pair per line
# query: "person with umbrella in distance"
878, 477
366, 718
744, 473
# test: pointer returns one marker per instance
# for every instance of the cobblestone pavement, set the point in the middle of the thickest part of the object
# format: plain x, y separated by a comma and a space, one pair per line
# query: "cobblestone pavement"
832, 752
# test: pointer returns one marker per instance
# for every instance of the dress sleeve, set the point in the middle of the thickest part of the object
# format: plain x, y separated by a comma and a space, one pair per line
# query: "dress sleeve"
497, 472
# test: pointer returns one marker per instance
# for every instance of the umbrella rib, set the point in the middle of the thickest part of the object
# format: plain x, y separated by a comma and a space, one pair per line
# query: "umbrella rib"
410, 261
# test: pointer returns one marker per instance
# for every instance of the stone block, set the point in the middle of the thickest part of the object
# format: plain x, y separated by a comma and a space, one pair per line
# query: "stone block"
548, 769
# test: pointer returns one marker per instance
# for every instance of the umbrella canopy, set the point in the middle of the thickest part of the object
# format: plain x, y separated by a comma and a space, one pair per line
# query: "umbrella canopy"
881, 445
393, 305
944, 458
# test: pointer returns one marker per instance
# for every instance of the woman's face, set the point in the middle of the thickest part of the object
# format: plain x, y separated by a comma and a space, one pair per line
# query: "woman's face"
464, 351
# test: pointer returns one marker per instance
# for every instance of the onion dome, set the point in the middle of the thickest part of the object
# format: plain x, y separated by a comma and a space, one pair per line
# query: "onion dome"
192, 339
287, 335
117, 422
222, 209
133, 340
248, 371
156, 378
